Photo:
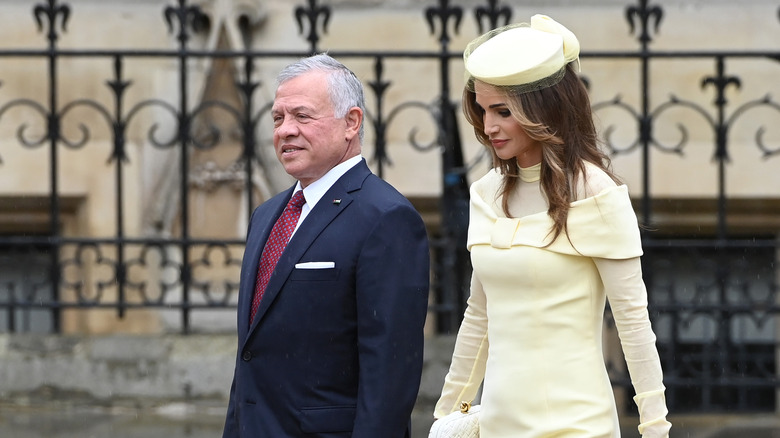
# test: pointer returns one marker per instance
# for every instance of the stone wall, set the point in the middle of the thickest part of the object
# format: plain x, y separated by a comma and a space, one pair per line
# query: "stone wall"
154, 373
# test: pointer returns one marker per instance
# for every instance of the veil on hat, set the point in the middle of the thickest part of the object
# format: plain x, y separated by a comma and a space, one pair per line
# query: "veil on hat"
525, 57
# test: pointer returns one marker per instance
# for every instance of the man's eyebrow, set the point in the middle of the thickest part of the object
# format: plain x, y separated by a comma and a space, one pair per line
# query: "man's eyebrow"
293, 109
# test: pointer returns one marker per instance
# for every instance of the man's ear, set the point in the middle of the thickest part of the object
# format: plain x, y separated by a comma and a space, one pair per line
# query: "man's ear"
354, 118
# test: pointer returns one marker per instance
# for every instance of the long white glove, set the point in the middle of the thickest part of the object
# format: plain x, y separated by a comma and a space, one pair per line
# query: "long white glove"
469, 358
628, 300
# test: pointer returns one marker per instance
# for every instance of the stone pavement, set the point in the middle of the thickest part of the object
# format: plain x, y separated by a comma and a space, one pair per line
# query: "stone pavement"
204, 419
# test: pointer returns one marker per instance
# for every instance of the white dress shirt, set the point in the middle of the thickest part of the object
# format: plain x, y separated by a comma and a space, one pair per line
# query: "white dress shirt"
316, 190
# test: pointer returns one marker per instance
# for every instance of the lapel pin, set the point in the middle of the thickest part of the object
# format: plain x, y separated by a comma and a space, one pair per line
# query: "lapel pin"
336, 201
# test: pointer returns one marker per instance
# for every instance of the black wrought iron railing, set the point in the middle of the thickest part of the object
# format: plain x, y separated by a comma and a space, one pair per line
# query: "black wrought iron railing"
713, 284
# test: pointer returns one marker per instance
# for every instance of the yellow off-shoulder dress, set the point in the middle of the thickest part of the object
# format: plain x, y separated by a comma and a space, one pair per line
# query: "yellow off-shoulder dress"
533, 327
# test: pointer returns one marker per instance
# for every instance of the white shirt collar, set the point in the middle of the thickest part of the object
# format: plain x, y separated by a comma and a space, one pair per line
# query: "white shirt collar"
316, 190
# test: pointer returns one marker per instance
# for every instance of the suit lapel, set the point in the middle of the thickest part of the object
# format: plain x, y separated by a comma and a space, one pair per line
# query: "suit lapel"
326, 210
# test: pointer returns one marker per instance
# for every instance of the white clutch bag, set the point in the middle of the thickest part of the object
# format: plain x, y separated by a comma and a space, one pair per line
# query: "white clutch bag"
459, 424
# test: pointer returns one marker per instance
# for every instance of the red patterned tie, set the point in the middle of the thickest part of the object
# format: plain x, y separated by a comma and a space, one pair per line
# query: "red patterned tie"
277, 240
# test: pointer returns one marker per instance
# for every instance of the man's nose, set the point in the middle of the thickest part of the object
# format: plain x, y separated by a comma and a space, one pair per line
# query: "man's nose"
286, 127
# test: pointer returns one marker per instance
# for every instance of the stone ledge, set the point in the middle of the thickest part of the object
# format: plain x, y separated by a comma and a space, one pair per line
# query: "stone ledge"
147, 370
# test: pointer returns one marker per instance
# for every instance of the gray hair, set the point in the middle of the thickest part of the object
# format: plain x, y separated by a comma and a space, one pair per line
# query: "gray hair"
345, 89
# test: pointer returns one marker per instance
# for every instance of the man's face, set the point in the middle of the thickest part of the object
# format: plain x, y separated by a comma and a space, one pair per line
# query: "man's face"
308, 140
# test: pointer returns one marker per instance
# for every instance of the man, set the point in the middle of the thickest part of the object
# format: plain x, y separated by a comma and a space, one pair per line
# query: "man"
334, 348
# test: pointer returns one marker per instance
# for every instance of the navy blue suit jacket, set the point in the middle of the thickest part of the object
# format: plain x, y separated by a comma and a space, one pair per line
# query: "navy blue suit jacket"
334, 352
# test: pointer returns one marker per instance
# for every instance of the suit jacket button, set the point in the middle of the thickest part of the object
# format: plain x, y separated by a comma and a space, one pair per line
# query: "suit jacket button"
247, 356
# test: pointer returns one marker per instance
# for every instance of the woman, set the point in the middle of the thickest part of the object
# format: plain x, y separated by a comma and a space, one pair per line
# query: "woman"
552, 235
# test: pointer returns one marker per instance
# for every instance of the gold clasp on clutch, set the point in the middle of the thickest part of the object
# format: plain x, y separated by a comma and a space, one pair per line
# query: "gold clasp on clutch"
464, 407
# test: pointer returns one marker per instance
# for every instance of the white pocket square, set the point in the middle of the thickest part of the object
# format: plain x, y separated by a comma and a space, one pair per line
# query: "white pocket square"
315, 265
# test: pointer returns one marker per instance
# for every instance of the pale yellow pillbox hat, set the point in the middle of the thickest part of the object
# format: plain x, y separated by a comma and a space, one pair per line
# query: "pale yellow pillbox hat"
532, 54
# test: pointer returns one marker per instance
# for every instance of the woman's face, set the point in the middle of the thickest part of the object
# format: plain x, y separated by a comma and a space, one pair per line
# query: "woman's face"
507, 138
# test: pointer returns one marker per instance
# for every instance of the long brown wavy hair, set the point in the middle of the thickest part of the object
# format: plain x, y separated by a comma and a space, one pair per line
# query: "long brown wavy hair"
560, 118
